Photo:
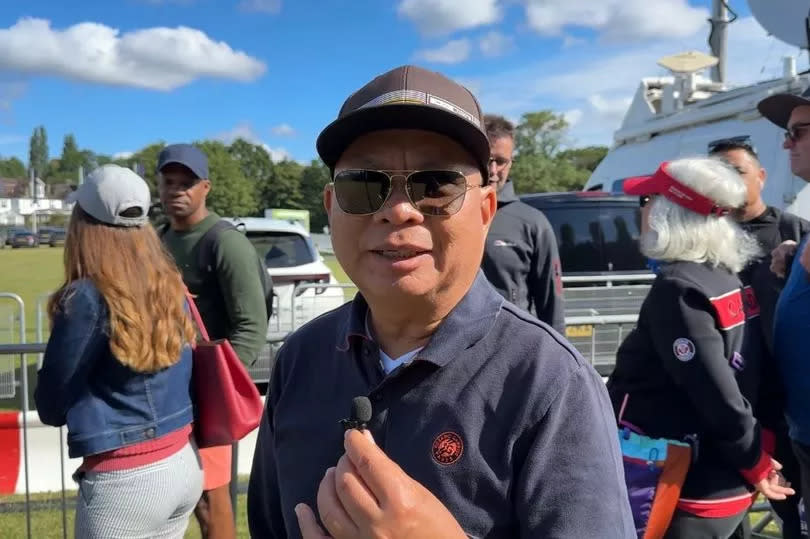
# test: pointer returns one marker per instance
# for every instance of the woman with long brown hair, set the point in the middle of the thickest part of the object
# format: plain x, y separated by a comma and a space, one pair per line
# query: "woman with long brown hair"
117, 368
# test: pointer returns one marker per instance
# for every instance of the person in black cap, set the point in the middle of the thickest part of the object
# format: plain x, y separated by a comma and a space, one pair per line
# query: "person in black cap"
484, 421
680, 374
228, 292
792, 320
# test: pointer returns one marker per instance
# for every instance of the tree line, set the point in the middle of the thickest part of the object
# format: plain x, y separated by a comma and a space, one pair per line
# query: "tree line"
245, 180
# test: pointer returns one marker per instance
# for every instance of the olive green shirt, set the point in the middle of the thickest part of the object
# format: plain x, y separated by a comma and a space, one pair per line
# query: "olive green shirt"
235, 310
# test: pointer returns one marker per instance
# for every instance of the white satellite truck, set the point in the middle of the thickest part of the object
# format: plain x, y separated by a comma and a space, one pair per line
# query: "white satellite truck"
679, 115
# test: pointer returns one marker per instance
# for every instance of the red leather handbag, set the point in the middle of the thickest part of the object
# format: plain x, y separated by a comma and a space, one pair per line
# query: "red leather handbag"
227, 405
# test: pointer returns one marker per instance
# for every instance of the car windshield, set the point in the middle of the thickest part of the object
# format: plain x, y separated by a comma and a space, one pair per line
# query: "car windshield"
282, 249
597, 238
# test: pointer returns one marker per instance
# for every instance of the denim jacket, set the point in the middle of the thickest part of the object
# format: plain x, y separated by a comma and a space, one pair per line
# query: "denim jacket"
105, 404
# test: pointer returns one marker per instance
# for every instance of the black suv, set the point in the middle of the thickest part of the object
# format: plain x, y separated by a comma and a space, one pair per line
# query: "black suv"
597, 236
597, 232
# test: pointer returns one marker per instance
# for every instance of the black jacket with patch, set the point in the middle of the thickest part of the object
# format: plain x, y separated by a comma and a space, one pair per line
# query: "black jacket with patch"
683, 374
521, 259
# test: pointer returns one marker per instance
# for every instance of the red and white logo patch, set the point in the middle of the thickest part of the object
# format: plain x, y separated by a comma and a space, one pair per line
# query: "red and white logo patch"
447, 448
684, 349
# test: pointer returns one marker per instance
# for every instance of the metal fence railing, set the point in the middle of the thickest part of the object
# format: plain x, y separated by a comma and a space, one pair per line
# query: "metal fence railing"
595, 345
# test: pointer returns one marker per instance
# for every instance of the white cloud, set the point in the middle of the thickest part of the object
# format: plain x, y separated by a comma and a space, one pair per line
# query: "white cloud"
442, 17
123, 155
246, 132
260, 6
154, 58
495, 44
573, 116
452, 52
618, 20
600, 82
283, 130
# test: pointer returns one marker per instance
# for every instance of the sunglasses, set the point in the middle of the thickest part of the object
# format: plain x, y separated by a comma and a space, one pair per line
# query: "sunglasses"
643, 200
795, 132
432, 192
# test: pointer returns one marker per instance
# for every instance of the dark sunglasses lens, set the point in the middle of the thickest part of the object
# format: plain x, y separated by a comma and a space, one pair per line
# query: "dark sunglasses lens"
437, 192
361, 192
643, 200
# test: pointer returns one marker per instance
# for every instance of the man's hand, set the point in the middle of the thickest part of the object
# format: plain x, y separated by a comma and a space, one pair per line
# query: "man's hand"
779, 257
367, 495
772, 487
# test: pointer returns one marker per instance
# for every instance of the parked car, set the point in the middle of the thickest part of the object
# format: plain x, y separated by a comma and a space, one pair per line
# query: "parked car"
57, 237
44, 235
23, 238
292, 261
604, 272
10, 231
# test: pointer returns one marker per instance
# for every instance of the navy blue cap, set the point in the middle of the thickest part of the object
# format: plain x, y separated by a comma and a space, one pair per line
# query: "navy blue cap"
184, 154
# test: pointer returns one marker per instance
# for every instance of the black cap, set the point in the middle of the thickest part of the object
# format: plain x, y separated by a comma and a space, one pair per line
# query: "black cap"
408, 97
778, 108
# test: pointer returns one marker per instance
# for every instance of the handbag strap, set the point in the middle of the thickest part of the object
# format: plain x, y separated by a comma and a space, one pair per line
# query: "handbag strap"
195, 314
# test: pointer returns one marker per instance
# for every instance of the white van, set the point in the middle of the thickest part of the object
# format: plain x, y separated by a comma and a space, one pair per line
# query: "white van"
660, 125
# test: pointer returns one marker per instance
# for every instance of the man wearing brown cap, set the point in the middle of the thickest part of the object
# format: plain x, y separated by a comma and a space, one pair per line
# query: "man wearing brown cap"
792, 319
482, 421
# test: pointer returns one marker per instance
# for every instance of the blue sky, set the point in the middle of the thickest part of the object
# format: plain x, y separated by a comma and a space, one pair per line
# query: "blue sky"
120, 74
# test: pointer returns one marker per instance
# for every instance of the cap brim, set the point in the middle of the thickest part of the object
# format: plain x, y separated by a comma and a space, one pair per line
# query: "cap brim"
338, 135
641, 185
778, 108
181, 162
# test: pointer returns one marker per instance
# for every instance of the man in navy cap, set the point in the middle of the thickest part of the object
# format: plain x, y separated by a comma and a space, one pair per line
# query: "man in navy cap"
228, 292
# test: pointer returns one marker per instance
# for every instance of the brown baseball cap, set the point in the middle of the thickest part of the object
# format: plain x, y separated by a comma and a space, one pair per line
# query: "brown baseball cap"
778, 108
408, 97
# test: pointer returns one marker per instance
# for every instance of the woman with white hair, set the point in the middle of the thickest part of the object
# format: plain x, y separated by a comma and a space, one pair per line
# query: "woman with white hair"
680, 376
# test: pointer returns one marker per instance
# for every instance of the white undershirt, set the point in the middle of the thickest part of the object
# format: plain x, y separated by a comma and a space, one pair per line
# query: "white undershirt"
387, 362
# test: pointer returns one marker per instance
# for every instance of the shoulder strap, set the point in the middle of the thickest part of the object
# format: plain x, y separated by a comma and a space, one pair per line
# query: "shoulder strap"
207, 245
790, 227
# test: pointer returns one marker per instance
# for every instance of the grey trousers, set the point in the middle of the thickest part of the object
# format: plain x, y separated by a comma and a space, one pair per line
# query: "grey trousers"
152, 501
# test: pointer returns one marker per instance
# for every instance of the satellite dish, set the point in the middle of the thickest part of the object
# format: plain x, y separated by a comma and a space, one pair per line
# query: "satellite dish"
688, 62
786, 20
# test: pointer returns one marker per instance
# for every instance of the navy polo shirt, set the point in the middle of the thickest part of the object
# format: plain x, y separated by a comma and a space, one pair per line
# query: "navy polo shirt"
498, 416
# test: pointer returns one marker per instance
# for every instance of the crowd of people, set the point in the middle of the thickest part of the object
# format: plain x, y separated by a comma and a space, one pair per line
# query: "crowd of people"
485, 421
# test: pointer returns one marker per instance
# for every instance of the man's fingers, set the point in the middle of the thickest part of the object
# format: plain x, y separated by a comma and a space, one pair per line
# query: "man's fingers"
308, 524
334, 517
356, 498
380, 474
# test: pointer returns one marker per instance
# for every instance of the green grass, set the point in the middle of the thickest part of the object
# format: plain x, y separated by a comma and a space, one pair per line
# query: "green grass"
337, 270
29, 273
47, 524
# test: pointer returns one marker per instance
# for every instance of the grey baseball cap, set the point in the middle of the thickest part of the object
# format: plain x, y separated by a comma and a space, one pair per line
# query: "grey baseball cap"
408, 97
109, 191
187, 155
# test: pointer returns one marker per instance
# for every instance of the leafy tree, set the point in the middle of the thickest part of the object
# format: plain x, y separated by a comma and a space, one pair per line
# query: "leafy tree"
587, 158
231, 193
283, 190
540, 164
12, 168
313, 179
72, 158
540, 133
38, 152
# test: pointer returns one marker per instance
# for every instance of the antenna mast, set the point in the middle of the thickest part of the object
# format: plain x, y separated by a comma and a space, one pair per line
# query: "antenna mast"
718, 39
